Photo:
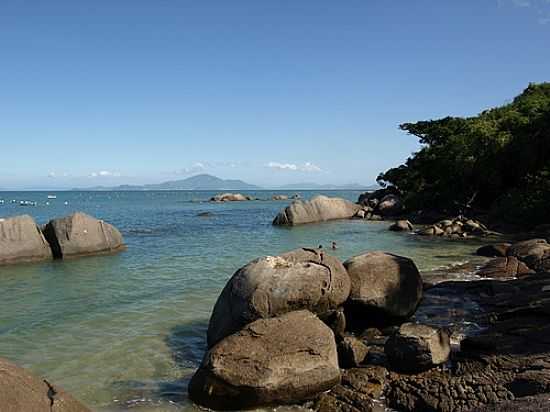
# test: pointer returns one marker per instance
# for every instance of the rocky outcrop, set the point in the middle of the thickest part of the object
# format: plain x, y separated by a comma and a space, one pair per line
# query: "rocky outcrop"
280, 360
230, 197
401, 226
279, 197
504, 267
273, 285
495, 250
20, 391
535, 253
318, 209
384, 288
381, 203
81, 235
22, 241
390, 205
416, 348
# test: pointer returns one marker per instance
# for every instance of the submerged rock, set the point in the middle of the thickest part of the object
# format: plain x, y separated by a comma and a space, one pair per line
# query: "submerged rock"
80, 235
384, 288
416, 348
22, 241
273, 285
283, 360
318, 209
20, 391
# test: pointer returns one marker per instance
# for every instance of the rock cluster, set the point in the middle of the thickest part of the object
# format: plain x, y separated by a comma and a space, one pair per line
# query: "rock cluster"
381, 203
516, 259
22, 240
283, 327
457, 227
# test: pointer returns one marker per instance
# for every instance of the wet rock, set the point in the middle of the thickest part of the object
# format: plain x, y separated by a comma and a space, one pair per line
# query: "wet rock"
504, 267
384, 288
230, 197
535, 253
416, 348
273, 285
351, 352
318, 209
401, 226
283, 360
80, 235
496, 250
356, 392
22, 241
20, 391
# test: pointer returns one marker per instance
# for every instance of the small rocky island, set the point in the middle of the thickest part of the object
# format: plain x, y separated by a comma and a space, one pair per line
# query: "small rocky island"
305, 329
23, 240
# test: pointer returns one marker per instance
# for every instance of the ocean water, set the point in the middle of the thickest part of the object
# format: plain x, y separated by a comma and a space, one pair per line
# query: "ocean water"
126, 332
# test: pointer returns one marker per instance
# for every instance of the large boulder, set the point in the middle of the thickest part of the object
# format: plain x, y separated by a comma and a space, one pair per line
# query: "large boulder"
415, 348
504, 267
22, 241
390, 205
384, 288
20, 391
319, 209
535, 253
283, 360
230, 197
80, 234
273, 285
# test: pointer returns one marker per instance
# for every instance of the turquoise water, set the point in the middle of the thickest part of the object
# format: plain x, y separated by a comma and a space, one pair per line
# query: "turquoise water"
126, 332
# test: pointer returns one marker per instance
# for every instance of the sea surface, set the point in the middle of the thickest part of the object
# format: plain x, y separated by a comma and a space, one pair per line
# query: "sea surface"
126, 332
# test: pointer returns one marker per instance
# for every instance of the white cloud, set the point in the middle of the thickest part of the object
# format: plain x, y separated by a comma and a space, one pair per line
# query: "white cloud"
194, 168
104, 173
307, 167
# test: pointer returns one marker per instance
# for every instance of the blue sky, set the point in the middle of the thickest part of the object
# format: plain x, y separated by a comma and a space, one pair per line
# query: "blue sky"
272, 92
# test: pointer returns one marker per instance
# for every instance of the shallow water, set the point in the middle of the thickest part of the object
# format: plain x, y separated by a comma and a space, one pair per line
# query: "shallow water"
126, 332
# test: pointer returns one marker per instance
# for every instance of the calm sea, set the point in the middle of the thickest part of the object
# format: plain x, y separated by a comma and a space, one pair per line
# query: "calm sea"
126, 332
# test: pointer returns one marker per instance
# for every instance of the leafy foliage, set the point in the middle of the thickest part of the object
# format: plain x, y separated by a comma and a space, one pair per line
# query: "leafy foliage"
497, 160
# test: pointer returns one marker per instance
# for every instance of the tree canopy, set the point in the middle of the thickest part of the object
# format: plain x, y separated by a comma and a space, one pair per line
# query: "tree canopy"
497, 161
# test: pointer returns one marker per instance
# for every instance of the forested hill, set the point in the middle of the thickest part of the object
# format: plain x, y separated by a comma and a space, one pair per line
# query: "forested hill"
498, 161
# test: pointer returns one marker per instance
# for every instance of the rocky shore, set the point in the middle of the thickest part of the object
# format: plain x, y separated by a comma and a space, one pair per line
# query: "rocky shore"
305, 329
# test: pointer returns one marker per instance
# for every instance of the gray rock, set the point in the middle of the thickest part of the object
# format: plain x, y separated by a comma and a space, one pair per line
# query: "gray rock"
318, 209
416, 348
383, 286
273, 285
401, 226
22, 241
283, 360
351, 352
279, 197
80, 235
20, 391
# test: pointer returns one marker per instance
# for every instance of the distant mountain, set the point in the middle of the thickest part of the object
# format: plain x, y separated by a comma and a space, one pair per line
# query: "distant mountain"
198, 182
317, 186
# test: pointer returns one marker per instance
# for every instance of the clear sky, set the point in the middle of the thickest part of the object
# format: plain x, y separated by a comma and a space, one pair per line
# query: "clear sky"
271, 92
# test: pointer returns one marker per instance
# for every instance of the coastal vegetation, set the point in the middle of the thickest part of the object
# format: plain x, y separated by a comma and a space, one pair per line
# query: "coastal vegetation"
497, 162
